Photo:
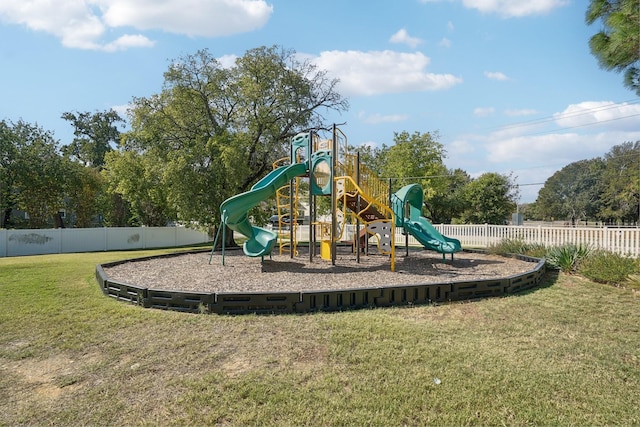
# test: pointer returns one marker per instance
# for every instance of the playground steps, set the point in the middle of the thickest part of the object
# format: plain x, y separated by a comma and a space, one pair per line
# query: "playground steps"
363, 236
377, 219
368, 212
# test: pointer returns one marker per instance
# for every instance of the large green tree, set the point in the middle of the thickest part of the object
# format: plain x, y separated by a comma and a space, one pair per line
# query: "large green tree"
95, 134
8, 172
490, 199
139, 177
621, 183
415, 158
418, 158
617, 44
573, 193
213, 130
84, 194
32, 173
449, 202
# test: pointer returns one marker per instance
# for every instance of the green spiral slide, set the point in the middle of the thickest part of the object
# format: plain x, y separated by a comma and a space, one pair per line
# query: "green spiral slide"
234, 210
407, 208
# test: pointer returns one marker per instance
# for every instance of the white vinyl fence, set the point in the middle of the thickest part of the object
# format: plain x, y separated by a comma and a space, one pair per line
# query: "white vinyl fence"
624, 241
65, 240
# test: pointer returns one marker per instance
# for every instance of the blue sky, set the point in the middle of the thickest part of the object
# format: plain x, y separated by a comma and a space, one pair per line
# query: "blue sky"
510, 85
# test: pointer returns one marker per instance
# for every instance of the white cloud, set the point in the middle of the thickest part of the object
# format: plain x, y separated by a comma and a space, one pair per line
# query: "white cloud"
512, 144
514, 8
128, 41
532, 159
483, 111
73, 22
228, 61
83, 24
516, 145
403, 37
122, 110
623, 116
208, 18
380, 118
378, 72
460, 147
445, 42
533, 151
520, 112
554, 149
495, 75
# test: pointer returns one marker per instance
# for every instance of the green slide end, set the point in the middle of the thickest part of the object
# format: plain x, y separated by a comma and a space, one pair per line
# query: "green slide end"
407, 208
234, 210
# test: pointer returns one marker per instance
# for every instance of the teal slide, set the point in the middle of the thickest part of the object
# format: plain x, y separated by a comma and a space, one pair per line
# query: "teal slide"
407, 207
234, 210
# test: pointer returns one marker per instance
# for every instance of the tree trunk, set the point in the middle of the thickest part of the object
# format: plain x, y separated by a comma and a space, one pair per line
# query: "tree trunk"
58, 222
229, 240
6, 218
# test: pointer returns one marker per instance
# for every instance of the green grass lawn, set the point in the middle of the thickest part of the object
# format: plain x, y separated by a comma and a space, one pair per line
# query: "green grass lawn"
567, 353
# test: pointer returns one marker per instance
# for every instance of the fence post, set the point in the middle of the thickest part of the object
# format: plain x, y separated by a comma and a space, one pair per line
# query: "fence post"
4, 239
60, 240
486, 235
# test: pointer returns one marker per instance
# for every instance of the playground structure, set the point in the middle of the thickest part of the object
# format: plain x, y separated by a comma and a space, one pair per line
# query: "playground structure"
357, 195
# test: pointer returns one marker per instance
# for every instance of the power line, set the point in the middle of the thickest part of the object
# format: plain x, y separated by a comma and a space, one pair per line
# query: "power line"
584, 125
417, 177
548, 119
631, 154
529, 184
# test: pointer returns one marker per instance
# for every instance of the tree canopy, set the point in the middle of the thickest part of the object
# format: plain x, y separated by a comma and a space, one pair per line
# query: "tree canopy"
573, 193
489, 199
416, 157
95, 134
449, 202
32, 173
449, 195
213, 131
601, 189
617, 44
621, 178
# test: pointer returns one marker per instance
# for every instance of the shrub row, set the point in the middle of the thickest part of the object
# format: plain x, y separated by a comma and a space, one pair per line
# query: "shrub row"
595, 264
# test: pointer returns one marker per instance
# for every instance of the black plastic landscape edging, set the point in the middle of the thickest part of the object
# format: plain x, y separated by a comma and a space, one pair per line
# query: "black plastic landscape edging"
321, 300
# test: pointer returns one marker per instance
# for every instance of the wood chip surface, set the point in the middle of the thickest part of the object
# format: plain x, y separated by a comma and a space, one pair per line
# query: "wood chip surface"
281, 273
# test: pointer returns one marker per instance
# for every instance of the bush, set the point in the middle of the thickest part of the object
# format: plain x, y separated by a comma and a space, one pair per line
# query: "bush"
607, 267
515, 246
567, 258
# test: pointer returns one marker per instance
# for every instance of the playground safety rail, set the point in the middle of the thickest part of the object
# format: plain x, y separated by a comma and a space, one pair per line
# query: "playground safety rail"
320, 300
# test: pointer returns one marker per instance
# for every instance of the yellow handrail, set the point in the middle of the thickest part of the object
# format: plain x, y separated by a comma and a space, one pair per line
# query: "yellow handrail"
350, 188
369, 181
